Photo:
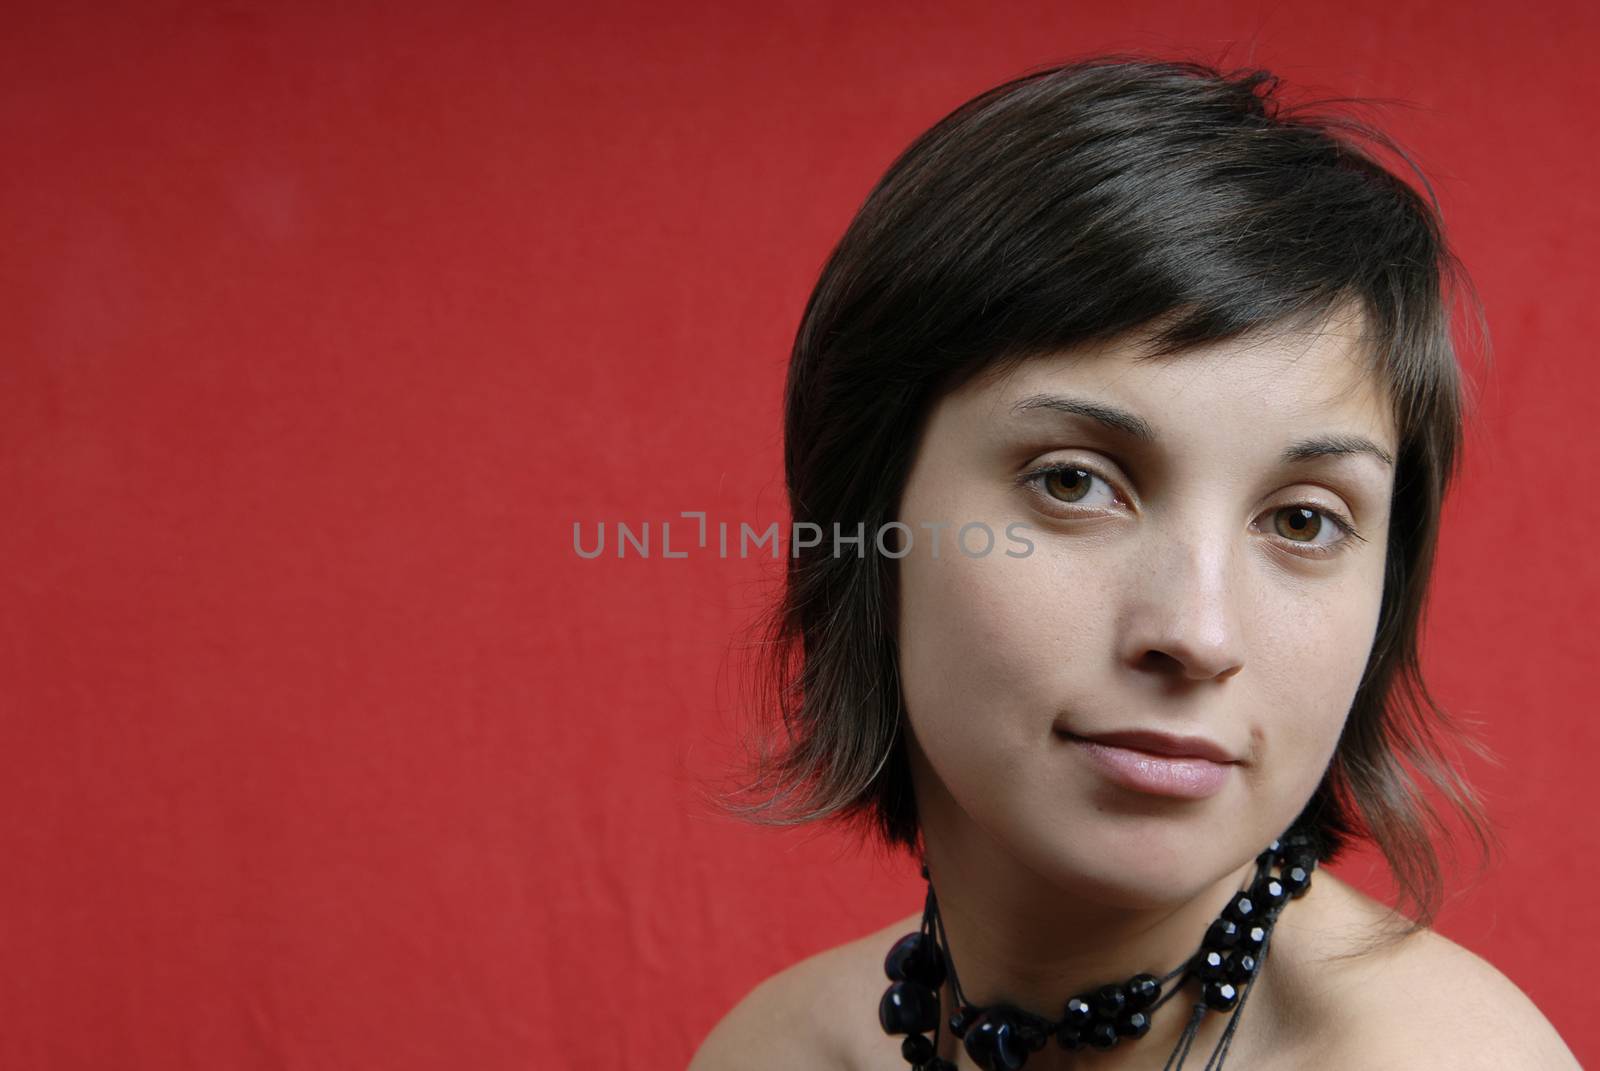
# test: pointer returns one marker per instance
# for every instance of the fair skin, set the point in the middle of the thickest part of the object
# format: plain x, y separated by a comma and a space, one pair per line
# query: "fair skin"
1192, 572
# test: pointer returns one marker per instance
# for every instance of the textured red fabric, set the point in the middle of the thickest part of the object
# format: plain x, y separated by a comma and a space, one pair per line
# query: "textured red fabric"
320, 324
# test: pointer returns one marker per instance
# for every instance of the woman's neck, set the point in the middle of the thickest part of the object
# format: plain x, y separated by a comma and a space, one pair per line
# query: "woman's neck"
1018, 939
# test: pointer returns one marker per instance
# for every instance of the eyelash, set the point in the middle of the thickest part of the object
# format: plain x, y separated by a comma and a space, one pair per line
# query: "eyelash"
1032, 479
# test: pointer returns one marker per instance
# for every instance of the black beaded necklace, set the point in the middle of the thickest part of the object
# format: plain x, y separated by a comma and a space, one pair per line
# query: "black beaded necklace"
1000, 1037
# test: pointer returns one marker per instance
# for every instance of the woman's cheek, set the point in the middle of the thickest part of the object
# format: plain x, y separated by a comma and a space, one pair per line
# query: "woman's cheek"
977, 646
1305, 713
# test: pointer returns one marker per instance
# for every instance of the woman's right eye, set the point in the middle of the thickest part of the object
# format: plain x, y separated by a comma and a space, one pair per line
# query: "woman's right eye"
1070, 484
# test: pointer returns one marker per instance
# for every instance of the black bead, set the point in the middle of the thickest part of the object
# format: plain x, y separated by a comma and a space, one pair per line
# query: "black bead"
1269, 893
1103, 1035
1298, 847
916, 1049
1297, 843
939, 1063
1242, 967
1070, 1038
979, 1041
1296, 879
908, 1008
905, 949
915, 958
1078, 1014
1253, 938
1133, 1024
1241, 909
1302, 859
1223, 934
1109, 1001
1209, 965
993, 1044
961, 1019
1143, 990
1221, 995
1032, 1035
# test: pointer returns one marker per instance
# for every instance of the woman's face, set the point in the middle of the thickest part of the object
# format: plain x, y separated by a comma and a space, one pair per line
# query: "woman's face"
1190, 574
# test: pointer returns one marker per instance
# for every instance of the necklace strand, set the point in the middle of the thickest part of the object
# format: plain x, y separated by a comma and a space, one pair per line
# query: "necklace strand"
1001, 1036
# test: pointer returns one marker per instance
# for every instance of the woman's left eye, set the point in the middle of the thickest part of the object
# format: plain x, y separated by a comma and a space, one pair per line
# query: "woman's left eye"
1302, 525
1313, 530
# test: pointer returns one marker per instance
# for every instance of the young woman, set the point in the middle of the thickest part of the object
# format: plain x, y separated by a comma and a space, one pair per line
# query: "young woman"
1126, 408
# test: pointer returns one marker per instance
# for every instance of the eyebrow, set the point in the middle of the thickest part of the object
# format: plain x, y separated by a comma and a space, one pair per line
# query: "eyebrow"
1136, 427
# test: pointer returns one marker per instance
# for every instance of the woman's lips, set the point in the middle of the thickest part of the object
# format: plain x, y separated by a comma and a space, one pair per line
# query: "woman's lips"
1177, 776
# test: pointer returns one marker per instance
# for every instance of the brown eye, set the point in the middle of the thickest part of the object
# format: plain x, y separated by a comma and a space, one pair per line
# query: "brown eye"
1068, 484
1298, 523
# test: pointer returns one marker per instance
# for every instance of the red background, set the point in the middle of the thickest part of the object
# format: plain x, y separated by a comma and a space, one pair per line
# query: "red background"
320, 325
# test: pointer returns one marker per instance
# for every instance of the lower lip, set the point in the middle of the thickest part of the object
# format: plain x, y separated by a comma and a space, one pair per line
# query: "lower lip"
1185, 778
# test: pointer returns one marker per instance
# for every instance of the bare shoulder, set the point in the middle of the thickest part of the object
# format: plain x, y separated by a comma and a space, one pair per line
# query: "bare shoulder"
1425, 1002
807, 1016
1443, 1006
774, 1025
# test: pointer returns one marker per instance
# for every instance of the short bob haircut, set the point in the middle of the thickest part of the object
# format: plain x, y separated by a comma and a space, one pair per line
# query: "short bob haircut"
1068, 207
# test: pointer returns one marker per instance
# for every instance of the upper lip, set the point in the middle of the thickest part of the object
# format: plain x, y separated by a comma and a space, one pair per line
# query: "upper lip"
1189, 747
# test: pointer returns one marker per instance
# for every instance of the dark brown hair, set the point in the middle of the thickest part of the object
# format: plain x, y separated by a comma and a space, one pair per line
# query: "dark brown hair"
1076, 204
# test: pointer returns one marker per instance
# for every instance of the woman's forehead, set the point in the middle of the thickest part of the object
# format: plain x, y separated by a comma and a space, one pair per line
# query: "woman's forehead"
1278, 381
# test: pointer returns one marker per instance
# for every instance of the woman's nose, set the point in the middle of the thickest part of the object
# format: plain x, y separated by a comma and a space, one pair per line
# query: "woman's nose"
1182, 617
